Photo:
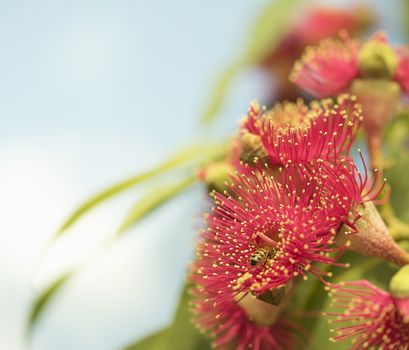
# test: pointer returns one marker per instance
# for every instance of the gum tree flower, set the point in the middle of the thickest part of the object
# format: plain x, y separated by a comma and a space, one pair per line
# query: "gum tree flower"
272, 228
323, 131
374, 71
316, 24
269, 231
329, 68
300, 202
371, 317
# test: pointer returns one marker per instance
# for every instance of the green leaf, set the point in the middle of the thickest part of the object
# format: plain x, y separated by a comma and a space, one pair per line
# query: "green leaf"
220, 91
152, 342
143, 208
397, 141
152, 200
44, 298
191, 153
181, 334
269, 28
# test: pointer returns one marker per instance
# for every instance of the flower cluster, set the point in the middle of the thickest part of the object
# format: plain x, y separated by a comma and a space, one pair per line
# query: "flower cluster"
280, 217
295, 203
316, 24
329, 68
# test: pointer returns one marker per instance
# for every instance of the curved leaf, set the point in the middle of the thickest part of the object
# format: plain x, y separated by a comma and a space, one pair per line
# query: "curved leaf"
219, 92
268, 29
191, 153
143, 208
271, 25
44, 298
154, 199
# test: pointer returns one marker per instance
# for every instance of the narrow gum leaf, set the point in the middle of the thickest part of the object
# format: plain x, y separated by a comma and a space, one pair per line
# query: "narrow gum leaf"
155, 341
219, 93
152, 200
143, 208
41, 302
189, 154
268, 29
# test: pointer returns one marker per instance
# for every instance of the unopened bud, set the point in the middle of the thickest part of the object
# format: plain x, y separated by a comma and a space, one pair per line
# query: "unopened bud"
251, 148
379, 100
216, 174
399, 284
399, 288
377, 60
373, 238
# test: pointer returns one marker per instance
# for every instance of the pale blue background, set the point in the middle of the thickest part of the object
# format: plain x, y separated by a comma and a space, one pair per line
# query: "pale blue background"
90, 92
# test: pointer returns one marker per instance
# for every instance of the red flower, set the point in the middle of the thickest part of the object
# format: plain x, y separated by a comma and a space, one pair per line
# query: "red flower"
369, 316
299, 133
275, 225
329, 68
290, 218
315, 24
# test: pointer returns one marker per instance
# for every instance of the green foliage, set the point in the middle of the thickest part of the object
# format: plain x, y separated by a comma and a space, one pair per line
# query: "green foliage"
397, 141
152, 200
43, 299
181, 334
220, 90
191, 153
142, 209
268, 30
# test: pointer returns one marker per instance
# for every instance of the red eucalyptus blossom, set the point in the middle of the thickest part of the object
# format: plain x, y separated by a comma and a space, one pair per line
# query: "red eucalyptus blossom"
296, 132
290, 215
329, 68
315, 24
294, 214
369, 316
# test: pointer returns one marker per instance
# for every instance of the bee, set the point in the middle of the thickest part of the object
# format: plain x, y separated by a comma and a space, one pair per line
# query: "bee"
260, 255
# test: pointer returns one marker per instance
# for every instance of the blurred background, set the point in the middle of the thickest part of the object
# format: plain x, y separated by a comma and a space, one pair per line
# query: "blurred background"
91, 92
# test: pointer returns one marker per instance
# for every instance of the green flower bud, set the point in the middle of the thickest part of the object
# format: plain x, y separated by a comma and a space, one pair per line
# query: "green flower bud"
216, 174
251, 148
399, 284
377, 60
379, 99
